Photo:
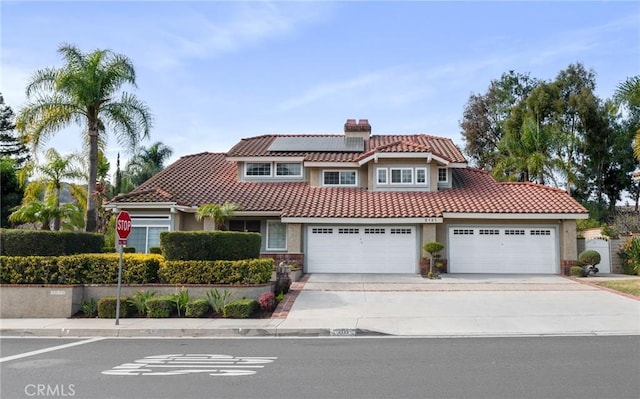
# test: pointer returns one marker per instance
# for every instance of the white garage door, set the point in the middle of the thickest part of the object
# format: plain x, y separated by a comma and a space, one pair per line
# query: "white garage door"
361, 249
491, 249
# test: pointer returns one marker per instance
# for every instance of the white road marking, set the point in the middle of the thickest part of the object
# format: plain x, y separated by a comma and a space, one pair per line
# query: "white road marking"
51, 349
180, 364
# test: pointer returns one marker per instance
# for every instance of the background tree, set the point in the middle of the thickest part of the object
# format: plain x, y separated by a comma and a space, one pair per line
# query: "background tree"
11, 191
86, 91
51, 177
628, 95
10, 145
147, 162
485, 115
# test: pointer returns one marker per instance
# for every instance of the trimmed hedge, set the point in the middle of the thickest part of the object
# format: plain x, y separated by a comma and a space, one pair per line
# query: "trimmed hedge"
48, 243
160, 307
240, 309
79, 269
107, 307
589, 257
210, 245
197, 308
248, 271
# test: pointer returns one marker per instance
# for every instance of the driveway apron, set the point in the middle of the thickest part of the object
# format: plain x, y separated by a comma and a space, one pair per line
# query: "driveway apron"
461, 305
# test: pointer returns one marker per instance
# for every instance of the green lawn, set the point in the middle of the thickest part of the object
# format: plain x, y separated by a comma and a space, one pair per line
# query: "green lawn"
628, 286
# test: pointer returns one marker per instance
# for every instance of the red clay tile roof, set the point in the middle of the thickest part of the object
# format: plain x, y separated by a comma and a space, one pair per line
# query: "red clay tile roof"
209, 178
443, 147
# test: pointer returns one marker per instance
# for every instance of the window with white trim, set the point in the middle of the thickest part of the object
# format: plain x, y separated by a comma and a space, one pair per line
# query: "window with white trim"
144, 237
382, 176
421, 175
257, 169
339, 178
401, 176
276, 235
443, 177
288, 169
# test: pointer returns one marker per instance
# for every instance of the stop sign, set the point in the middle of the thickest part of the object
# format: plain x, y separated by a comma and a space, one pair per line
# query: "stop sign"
123, 225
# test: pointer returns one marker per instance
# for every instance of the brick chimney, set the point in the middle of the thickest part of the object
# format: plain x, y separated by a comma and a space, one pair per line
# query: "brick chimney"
360, 129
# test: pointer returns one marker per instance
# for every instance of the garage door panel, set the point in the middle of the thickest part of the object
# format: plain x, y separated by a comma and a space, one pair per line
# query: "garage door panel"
488, 249
361, 249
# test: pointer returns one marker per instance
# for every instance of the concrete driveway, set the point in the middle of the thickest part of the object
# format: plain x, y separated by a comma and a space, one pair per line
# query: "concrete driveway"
461, 305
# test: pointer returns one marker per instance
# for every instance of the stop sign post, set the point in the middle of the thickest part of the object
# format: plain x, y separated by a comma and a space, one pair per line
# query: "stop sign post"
123, 229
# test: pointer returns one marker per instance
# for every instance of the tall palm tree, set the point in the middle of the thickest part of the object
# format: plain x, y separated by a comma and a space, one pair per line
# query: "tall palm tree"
85, 91
52, 174
628, 93
219, 213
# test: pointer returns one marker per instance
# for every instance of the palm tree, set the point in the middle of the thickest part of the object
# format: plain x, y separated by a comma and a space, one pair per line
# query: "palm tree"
52, 175
219, 213
85, 91
148, 162
628, 93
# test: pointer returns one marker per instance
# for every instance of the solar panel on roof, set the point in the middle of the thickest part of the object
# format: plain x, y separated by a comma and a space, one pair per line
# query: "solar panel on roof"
317, 144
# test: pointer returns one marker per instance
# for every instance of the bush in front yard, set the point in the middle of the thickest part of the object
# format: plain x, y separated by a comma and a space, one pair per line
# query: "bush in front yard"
210, 245
577, 271
240, 309
629, 254
107, 307
589, 257
197, 308
48, 243
160, 307
249, 271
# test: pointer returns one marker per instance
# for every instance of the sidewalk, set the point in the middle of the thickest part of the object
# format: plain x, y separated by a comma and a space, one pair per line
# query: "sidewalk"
348, 305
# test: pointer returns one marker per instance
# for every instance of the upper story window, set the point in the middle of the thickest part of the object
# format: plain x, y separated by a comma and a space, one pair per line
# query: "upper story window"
443, 177
339, 178
288, 169
267, 169
258, 169
402, 176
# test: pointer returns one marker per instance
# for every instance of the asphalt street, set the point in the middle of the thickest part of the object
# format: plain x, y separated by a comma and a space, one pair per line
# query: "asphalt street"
522, 367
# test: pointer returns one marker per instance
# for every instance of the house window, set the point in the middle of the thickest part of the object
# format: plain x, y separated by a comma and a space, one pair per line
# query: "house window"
276, 235
382, 176
339, 178
421, 176
257, 169
442, 175
249, 226
144, 237
288, 169
402, 176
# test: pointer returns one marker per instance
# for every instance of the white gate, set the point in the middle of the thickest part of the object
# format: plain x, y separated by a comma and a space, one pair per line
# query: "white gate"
601, 245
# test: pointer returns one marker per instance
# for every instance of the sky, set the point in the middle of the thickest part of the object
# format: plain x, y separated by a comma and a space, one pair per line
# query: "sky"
213, 72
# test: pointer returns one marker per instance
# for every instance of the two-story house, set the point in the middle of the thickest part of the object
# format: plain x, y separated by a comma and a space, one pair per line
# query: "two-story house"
362, 203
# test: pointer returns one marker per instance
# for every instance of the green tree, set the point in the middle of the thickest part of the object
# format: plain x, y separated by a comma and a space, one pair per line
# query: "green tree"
147, 162
51, 178
43, 212
485, 115
11, 191
10, 145
628, 94
219, 213
85, 91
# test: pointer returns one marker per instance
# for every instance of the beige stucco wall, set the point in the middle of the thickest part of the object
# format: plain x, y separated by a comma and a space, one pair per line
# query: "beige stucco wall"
428, 235
294, 238
568, 240
188, 222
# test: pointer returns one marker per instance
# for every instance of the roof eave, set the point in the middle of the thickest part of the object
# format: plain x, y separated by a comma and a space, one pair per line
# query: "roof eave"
495, 215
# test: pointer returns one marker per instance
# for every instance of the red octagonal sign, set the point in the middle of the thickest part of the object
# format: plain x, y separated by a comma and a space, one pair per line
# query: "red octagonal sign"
123, 225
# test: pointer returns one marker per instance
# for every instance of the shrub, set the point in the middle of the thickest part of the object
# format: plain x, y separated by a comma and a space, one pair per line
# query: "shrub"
217, 300
90, 308
240, 309
577, 271
630, 255
107, 307
210, 245
248, 271
197, 308
139, 301
155, 250
129, 250
48, 243
160, 307
267, 301
79, 269
180, 299
589, 257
